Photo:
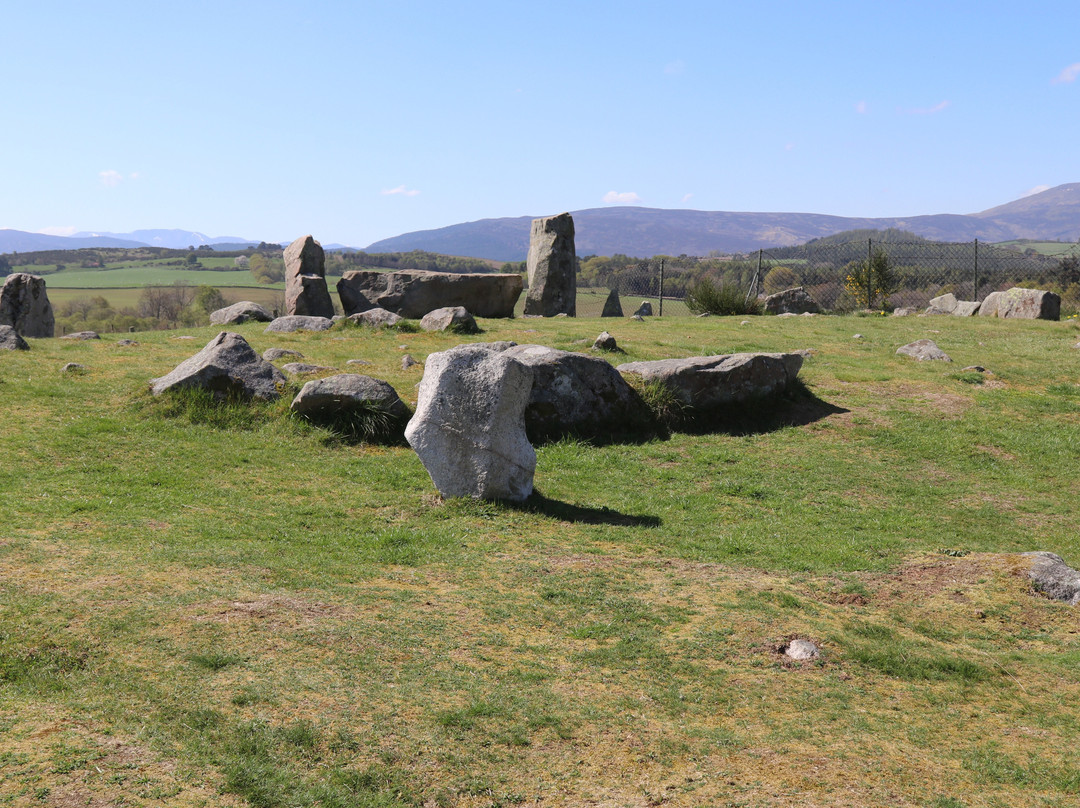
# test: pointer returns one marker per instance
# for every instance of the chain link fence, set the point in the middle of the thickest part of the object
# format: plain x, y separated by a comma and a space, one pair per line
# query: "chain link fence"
828, 271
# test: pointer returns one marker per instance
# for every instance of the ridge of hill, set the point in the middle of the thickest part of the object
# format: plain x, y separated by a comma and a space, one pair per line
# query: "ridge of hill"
1051, 215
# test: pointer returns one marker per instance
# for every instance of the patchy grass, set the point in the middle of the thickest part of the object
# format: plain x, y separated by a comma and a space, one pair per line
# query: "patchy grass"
207, 604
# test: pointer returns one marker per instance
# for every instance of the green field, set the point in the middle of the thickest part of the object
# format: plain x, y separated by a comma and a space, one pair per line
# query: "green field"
144, 275
129, 297
1052, 248
223, 605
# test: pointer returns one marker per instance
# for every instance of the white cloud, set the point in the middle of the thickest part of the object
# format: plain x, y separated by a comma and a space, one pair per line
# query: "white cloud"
1038, 189
110, 178
939, 107
861, 108
401, 190
623, 198
687, 197
59, 231
1068, 75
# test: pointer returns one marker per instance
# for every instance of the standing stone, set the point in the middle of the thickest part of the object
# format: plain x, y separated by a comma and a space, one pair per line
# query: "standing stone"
612, 306
305, 279
644, 310
469, 426
552, 267
25, 306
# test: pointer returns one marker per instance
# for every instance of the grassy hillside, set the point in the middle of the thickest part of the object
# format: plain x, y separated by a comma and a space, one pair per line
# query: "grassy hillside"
225, 606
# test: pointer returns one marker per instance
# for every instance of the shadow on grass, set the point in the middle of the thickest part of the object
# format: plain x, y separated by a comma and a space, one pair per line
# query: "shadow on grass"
797, 406
582, 514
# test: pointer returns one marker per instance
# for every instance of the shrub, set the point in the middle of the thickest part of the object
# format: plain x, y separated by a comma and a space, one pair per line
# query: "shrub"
871, 279
706, 297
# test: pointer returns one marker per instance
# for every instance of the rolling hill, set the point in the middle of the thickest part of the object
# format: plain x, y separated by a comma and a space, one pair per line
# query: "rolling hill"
1051, 215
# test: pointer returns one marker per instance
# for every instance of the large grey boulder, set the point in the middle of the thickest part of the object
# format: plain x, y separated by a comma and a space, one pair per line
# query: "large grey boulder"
297, 322
239, 313
791, 301
376, 318
1022, 304
552, 267
305, 279
612, 306
924, 350
228, 367
580, 395
24, 305
11, 341
707, 382
1050, 575
450, 318
469, 425
412, 293
354, 401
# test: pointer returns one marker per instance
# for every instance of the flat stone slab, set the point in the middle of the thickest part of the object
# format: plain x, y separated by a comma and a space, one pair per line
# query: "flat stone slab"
298, 322
706, 382
923, 350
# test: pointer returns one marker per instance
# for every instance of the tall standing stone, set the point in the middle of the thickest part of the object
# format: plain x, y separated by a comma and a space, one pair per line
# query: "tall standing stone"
25, 306
612, 306
305, 279
552, 267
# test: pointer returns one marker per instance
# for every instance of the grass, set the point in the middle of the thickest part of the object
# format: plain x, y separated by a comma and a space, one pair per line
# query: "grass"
223, 605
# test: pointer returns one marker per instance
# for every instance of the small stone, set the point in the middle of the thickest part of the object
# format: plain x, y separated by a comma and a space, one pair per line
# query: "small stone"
637, 317
605, 342
407, 362
357, 362
126, 343
802, 650
271, 354
302, 368
857, 336
73, 367
82, 335
975, 369
923, 350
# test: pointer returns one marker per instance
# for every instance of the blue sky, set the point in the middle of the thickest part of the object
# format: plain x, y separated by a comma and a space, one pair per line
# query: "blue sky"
356, 121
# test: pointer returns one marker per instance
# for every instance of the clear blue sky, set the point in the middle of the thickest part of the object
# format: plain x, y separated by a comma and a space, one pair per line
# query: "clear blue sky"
356, 121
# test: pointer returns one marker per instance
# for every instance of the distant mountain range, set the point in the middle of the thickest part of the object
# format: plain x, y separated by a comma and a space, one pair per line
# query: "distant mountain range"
1052, 215
20, 241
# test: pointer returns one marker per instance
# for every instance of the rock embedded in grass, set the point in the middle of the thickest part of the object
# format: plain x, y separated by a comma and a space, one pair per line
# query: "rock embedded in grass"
469, 425
1050, 575
605, 342
82, 335
272, 354
923, 350
709, 382
376, 318
227, 367
11, 340
297, 322
791, 301
802, 650
1022, 304
450, 318
303, 368
372, 405
239, 313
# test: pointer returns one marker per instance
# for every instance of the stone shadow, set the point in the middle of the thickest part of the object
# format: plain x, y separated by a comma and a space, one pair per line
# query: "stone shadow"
797, 406
583, 514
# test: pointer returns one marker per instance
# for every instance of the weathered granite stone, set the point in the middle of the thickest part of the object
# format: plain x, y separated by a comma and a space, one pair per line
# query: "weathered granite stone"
376, 318
407, 362
303, 368
227, 367
82, 335
73, 367
707, 382
605, 342
903, 312
450, 318
10, 340
802, 650
24, 305
271, 354
612, 306
966, 308
923, 350
126, 343
580, 395
791, 301
240, 313
552, 267
305, 279
1050, 575
644, 310
297, 322
948, 304
1023, 304
351, 396
469, 426
412, 293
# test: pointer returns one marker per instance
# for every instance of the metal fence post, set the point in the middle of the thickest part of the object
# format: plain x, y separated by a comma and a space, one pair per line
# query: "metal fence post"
661, 288
975, 294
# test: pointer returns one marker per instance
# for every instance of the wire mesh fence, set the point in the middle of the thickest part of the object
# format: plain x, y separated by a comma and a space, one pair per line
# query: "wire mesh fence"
840, 276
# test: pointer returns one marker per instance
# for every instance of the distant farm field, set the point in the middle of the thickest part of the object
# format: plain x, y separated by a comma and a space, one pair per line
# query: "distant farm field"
128, 297
144, 275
